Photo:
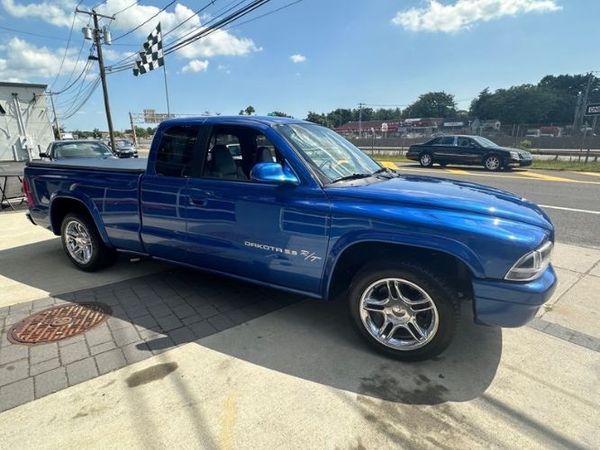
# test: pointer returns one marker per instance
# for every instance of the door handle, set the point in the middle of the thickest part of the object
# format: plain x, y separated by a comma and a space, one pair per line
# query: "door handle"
198, 201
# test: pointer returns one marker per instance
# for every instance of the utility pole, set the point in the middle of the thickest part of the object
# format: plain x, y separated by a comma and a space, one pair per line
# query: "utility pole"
133, 129
98, 35
56, 125
360, 107
586, 96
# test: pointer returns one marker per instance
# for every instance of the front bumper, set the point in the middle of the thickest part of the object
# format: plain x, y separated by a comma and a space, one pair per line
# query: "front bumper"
511, 304
520, 162
127, 154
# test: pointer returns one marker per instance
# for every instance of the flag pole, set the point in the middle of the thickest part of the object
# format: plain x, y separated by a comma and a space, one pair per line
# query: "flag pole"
166, 89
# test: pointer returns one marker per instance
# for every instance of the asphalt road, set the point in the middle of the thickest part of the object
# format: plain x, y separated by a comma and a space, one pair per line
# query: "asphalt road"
571, 199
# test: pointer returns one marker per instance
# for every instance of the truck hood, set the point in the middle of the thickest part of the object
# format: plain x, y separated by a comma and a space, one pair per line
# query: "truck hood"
442, 193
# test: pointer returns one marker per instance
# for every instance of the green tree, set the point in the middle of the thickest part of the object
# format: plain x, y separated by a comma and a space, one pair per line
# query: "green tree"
249, 110
432, 104
320, 119
278, 114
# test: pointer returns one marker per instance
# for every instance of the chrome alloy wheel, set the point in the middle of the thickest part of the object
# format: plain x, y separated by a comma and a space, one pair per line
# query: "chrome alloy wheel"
425, 160
399, 314
492, 163
78, 241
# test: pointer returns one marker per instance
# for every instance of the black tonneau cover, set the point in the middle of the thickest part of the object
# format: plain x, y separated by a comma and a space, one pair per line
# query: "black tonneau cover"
136, 165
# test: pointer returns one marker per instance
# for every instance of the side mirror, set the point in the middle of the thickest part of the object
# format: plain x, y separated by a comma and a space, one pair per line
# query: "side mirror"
273, 173
43, 155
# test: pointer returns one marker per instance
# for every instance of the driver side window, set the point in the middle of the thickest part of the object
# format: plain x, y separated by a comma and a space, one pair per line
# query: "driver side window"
233, 151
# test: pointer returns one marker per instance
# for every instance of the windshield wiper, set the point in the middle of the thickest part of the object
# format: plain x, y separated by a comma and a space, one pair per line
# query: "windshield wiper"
386, 171
354, 176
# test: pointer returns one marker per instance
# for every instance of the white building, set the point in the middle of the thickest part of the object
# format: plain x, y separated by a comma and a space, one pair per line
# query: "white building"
25, 125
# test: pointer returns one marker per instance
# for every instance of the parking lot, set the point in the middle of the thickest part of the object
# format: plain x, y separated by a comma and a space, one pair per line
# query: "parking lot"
193, 360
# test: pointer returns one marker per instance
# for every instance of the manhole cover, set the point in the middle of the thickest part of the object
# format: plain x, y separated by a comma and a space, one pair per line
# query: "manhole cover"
59, 322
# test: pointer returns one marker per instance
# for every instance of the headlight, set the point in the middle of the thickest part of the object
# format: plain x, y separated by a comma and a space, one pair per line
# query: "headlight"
514, 155
531, 265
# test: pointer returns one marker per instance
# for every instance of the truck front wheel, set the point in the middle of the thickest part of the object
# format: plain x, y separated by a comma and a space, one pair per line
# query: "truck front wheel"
83, 245
404, 310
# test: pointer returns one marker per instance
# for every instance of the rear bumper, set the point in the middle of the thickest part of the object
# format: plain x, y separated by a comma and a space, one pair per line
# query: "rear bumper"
511, 304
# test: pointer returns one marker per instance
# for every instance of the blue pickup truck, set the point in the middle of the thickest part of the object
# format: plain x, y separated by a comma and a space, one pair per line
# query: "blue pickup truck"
292, 205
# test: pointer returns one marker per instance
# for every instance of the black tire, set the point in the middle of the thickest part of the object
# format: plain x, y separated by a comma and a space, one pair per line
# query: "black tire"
433, 284
425, 159
101, 255
493, 162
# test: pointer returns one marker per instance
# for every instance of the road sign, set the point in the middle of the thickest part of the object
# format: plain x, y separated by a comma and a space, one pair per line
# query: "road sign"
592, 109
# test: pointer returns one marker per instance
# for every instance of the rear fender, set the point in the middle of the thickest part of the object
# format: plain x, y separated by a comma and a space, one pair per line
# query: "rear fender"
86, 203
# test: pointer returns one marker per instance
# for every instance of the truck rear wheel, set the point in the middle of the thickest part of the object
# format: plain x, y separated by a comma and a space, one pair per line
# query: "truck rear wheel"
83, 245
404, 310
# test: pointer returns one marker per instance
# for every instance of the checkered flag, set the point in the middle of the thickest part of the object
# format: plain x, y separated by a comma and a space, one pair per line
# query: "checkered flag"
151, 57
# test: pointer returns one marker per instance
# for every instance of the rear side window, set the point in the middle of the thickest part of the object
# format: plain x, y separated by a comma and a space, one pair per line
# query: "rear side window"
448, 140
176, 151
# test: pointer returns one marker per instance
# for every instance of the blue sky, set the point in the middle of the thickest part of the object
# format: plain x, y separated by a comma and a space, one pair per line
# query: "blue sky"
381, 52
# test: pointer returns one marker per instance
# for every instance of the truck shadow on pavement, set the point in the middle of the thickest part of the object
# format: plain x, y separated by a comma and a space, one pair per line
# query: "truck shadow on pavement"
293, 335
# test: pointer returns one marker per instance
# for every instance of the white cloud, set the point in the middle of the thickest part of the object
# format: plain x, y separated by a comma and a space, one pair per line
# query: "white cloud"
60, 13
22, 61
298, 58
195, 65
463, 13
57, 12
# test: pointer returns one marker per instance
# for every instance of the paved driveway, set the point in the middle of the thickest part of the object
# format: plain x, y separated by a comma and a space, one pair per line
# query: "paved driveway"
192, 360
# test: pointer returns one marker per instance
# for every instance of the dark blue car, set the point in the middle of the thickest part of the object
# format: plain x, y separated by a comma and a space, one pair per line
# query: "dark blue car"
299, 208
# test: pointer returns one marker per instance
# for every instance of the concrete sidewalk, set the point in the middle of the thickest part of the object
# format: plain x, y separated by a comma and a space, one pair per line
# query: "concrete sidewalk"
291, 377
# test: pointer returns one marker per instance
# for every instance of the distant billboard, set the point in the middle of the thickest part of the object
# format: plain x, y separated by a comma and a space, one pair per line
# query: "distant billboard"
151, 116
593, 109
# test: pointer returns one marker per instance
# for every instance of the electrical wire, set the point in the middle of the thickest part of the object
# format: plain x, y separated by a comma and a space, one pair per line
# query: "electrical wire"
74, 108
62, 62
13, 30
121, 65
144, 22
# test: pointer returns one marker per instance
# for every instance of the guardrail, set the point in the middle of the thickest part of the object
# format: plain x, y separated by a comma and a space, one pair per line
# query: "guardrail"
557, 153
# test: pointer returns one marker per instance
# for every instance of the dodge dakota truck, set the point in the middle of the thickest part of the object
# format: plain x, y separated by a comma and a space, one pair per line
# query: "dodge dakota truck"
299, 208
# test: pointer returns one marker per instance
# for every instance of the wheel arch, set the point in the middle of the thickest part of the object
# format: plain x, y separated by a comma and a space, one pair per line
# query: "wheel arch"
356, 255
62, 205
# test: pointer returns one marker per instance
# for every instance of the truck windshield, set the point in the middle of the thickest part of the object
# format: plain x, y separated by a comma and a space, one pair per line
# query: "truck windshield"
332, 156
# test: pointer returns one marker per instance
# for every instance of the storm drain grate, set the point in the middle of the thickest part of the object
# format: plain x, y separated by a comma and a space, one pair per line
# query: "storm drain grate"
59, 322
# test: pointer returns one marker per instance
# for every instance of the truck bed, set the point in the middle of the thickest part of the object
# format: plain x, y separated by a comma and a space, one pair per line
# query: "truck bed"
136, 165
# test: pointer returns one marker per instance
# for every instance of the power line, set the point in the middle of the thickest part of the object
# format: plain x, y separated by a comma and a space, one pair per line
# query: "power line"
144, 22
220, 24
62, 62
13, 30
74, 111
266, 14
120, 66
212, 2
126, 8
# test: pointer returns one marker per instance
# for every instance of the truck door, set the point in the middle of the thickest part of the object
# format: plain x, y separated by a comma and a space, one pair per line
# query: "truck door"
163, 228
277, 234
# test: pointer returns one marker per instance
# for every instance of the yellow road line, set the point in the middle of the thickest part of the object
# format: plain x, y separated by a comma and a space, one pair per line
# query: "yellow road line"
532, 176
593, 174
389, 165
458, 171
545, 177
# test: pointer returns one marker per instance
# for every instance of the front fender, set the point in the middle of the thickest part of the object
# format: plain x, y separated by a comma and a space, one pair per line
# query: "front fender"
415, 240
86, 202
